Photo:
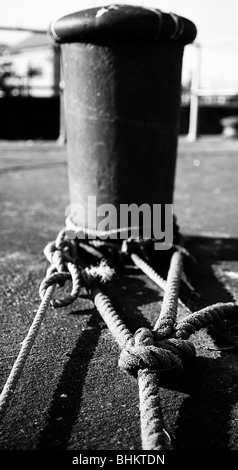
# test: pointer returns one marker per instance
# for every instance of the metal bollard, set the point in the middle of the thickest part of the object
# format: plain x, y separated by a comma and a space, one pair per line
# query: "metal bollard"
122, 73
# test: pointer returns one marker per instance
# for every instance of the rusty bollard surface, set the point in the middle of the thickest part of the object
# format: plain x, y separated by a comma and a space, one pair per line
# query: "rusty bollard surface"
122, 72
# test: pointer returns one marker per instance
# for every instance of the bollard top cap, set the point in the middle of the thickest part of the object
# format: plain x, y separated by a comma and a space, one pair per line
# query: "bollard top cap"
120, 23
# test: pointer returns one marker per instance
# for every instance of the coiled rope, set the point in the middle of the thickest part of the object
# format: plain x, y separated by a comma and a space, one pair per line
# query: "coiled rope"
147, 354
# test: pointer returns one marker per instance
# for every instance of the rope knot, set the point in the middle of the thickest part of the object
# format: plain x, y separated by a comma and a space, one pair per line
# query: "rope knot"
61, 251
58, 278
145, 352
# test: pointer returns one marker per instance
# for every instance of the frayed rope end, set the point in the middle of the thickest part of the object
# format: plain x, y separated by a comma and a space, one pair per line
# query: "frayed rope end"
102, 273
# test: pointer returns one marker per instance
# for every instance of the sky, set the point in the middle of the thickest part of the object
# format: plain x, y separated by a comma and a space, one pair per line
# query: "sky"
214, 19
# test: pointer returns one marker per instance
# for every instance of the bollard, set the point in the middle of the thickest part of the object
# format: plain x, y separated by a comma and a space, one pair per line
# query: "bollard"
122, 73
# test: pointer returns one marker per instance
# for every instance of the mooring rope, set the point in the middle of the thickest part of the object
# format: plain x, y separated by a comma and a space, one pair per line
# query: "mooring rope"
153, 352
151, 417
153, 275
149, 353
203, 318
168, 313
114, 323
27, 344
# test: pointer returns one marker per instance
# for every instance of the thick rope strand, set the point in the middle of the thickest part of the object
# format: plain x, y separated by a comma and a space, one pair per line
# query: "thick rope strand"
114, 323
203, 318
76, 287
27, 344
168, 314
153, 275
152, 424
82, 232
148, 270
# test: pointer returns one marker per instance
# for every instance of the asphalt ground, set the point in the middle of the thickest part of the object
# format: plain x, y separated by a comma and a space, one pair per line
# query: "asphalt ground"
72, 395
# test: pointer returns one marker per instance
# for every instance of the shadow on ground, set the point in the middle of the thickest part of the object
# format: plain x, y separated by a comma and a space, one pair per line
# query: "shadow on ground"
210, 388
57, 434
30, 167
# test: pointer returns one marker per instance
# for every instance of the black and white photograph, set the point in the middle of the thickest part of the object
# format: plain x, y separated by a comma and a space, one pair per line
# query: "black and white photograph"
118, 232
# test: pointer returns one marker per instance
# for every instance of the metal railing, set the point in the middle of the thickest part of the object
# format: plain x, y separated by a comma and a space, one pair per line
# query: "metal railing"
197, 91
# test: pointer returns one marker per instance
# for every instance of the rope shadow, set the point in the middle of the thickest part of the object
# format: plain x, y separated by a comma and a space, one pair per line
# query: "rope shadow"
204, 416
210, 289
212, 384
63, 412
207, 388
194, 428
66, 401
129, 294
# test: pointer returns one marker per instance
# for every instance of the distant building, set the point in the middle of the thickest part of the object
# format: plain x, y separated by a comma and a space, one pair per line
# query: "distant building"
35, 63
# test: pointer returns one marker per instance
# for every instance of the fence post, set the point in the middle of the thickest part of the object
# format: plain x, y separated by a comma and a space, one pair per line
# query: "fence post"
194, 97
